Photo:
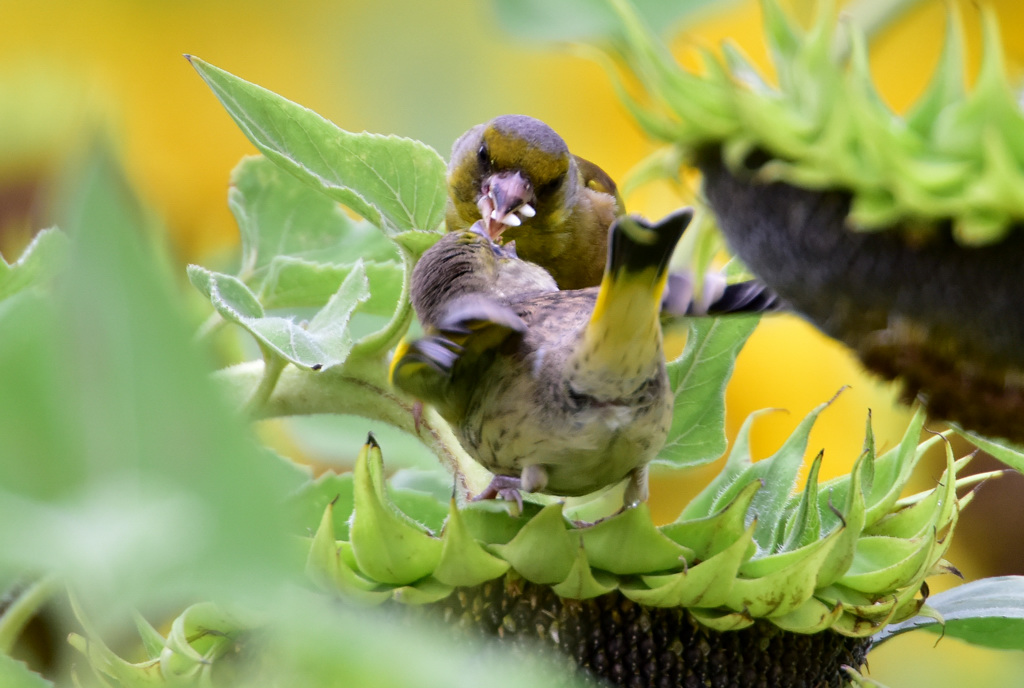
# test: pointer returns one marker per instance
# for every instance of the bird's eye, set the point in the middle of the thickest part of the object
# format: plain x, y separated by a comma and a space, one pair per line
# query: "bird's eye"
484, 155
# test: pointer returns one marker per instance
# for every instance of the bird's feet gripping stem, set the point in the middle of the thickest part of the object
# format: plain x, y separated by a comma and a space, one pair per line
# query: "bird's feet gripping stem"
509, 487
504, 487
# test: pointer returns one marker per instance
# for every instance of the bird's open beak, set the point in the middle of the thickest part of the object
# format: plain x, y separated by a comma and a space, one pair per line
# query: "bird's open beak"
505, 201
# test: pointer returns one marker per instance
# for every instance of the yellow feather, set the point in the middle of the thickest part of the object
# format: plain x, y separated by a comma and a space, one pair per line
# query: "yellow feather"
625, 327
400, 350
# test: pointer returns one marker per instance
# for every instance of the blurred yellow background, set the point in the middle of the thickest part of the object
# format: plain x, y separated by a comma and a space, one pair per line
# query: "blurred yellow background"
430, 70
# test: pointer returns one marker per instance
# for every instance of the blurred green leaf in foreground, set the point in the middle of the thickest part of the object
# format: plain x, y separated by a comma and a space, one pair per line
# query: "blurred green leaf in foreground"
122, 473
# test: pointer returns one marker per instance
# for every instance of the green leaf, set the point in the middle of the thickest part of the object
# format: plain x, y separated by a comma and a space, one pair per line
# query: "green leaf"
395, 183
892, 470
330, 323
308, 503
698, 379
20, 604
813, 616
279, 216
778, 473
106, 663
229, 295
987, 612
736, 464
40, 260
490, 521
133, 480
852, 523
720, 621
324, 343
586, 20
14, 674
867, 607
927, 513
416, 241
421, 507
200, 635
292, 282
886, 563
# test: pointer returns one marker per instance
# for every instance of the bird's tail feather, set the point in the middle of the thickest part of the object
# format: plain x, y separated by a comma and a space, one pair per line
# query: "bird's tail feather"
621, 346
636, 246
716, 297
635, 275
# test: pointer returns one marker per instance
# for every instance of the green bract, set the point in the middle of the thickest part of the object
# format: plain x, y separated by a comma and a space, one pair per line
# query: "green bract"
955, 155
847, 555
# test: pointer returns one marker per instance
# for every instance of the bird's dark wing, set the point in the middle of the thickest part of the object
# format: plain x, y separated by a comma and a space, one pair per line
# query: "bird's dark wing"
477, 323
440, 367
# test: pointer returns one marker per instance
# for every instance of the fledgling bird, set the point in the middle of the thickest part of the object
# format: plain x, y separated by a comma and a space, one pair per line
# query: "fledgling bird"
560, 392
469, 262
517, 175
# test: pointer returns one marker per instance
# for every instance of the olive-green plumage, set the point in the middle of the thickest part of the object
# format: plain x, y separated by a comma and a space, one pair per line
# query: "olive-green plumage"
562, 392
518, 175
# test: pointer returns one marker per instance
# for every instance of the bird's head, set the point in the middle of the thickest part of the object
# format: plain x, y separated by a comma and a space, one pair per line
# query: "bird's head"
509, 172
462, 262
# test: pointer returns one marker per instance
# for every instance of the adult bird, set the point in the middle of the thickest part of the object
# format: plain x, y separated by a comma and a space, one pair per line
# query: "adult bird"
517, 175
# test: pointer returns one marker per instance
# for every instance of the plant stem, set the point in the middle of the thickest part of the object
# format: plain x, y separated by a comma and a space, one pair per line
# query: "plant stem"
22, 609
359, 387
272, 367
385, 339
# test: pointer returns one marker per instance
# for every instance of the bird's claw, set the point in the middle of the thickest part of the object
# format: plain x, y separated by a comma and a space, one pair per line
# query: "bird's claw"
505, 487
